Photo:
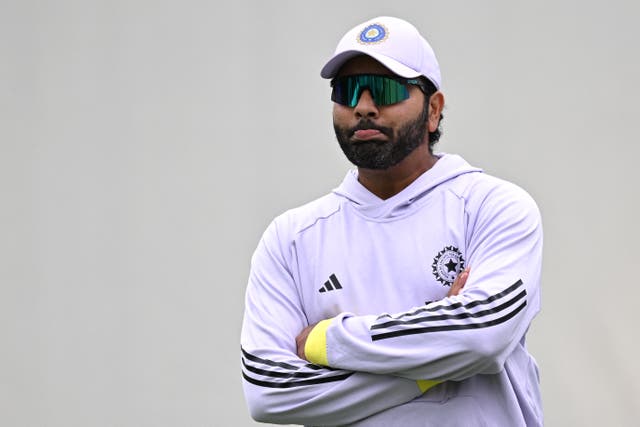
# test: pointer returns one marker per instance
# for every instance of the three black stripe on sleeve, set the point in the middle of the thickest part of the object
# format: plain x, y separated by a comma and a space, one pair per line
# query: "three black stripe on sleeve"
268, 373
495, 310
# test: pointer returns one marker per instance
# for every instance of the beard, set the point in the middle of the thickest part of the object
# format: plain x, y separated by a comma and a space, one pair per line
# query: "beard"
374, 154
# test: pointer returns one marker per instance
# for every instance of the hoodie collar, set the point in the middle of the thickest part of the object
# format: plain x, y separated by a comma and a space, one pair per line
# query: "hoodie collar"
447, 167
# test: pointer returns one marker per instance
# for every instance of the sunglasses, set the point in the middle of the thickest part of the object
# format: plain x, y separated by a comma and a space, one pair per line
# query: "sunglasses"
385, 90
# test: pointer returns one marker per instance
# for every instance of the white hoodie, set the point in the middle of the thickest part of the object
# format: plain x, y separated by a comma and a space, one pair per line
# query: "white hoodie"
395, 351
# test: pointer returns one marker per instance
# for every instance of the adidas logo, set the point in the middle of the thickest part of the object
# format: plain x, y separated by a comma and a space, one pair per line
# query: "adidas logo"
331, 284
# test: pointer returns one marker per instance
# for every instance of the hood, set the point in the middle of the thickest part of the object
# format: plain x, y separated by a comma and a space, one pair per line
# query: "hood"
446, 168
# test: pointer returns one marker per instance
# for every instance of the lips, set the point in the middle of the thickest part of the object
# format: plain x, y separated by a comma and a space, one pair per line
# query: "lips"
367, 134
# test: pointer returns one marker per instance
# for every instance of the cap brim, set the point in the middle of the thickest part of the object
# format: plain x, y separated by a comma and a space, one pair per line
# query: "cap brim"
332, 67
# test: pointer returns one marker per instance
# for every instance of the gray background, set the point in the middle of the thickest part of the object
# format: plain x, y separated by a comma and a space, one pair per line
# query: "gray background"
145, 146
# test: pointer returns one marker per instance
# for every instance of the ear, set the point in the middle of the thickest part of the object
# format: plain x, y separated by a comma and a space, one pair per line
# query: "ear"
436, 104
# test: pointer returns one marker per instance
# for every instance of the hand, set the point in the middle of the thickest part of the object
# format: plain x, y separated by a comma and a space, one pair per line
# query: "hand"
301, 340
458, 284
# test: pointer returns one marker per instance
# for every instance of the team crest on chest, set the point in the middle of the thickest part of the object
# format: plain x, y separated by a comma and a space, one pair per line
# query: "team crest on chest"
447, 265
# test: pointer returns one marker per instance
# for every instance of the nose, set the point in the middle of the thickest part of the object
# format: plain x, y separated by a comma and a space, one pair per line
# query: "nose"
366, 107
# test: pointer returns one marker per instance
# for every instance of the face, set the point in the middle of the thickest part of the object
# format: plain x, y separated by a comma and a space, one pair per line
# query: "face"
378, 137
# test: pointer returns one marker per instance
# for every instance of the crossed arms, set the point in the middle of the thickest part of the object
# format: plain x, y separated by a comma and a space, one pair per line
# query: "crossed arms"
367, 364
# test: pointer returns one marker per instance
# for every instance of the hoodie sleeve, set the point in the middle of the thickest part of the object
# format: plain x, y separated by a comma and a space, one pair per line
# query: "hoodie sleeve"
280, 387
460, 336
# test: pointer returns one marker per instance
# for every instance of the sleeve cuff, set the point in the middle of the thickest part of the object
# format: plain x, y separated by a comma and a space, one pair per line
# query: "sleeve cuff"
315, 349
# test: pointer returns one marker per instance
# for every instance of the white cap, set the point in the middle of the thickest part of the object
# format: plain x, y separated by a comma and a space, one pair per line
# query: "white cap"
394, 43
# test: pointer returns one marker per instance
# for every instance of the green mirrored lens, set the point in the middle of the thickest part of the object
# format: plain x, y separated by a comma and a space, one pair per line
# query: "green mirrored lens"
385, 90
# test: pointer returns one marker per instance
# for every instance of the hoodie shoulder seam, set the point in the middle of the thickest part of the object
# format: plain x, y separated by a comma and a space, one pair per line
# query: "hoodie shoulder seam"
318, 219
307, 216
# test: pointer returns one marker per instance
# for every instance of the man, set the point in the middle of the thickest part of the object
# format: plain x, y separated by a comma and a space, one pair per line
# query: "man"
403, 297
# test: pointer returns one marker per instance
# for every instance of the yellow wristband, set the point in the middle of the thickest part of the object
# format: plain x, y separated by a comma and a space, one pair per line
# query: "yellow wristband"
425, 385
315, 349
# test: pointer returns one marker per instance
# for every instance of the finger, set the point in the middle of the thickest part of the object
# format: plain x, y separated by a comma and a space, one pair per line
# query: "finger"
457, 285
459, 282
301, 341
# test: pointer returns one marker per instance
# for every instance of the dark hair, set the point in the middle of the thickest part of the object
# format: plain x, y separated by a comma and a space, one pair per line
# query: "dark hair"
429, 89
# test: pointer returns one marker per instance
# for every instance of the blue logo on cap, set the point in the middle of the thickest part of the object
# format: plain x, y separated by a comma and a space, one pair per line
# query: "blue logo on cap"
374, 33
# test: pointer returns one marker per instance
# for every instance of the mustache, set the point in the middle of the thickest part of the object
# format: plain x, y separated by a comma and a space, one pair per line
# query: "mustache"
368, 124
